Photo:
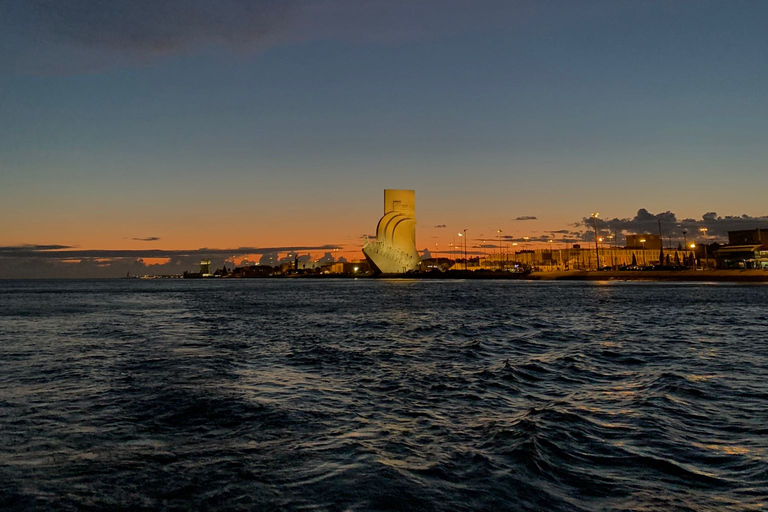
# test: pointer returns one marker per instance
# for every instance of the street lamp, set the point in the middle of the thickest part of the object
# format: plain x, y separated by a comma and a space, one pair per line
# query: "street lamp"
599, 241
693, 249
499, 232
464, 234
706, 257
597, 248
550, 253
612, 253
465, 250
642, 241
461, 246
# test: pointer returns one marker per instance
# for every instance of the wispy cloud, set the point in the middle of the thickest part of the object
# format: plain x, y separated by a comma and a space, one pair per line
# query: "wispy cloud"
12, 250
96, 33
54, 252
526, 217
147, 239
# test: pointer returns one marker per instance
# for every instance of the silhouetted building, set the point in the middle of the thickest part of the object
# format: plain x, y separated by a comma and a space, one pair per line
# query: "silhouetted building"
748, 237
353, 267
582, 258
749, 256
253, 271
441, 264
652, 242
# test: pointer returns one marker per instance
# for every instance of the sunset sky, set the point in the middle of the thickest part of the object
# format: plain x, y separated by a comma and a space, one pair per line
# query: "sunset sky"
144, 125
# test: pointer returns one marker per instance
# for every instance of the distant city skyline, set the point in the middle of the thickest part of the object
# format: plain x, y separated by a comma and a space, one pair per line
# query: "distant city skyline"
130, 128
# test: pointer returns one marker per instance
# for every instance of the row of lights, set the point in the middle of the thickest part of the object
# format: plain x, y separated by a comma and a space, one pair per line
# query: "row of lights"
598, 239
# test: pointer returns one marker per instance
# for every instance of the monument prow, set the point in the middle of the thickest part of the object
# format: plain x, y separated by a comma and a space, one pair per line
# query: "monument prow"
394, 249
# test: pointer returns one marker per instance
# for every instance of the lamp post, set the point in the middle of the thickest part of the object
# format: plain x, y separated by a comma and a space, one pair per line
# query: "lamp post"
685, 238
599, 241
461, 246
642, 241
693, 249
597, 248
529, 257
611, 252
465, 250
550, 253
464, 235
500, 265
706, 257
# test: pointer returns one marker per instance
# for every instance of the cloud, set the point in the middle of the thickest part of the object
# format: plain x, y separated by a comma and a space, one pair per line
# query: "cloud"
717, 227
18, 249
11, 268
53, 261
97, 33
147, 239
35, 251
149, 27
326, 258
441, 226
526, 217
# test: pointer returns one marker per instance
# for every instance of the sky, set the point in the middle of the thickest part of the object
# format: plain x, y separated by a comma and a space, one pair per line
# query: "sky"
139, 132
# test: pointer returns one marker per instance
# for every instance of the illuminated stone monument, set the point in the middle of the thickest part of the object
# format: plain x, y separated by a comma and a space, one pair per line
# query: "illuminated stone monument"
394, 249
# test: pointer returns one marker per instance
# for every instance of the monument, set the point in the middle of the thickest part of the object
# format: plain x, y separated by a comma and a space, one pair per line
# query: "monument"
394, 249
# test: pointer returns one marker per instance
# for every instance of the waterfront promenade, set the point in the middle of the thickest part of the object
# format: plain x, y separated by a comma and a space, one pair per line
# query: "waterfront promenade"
740, 276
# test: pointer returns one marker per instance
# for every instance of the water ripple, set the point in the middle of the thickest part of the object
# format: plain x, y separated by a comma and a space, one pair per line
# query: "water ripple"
382, 395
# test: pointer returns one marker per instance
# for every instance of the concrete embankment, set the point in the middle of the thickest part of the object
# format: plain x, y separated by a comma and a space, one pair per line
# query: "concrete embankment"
735, 276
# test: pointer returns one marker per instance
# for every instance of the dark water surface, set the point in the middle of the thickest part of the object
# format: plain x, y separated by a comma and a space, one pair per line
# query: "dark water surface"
359, 395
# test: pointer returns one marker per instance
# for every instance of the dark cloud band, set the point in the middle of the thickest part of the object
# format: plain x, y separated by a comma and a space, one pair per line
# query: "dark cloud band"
645, 222
68, 253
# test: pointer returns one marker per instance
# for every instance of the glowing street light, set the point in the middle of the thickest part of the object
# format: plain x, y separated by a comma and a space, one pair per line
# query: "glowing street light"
499, 232
706, 256
597, 247
464, 234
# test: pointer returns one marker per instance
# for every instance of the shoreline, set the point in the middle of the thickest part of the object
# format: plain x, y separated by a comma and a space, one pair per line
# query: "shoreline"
723, 276
734, 276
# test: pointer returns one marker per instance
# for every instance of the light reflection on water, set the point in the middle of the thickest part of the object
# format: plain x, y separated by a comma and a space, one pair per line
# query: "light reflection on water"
427, 395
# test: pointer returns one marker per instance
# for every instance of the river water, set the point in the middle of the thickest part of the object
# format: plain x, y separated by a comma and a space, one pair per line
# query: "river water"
382, 395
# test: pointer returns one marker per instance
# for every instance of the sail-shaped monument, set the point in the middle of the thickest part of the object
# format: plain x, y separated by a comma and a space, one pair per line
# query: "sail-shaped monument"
394, 249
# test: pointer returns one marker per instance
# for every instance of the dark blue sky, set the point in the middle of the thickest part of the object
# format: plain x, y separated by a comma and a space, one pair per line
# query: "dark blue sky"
184, 120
